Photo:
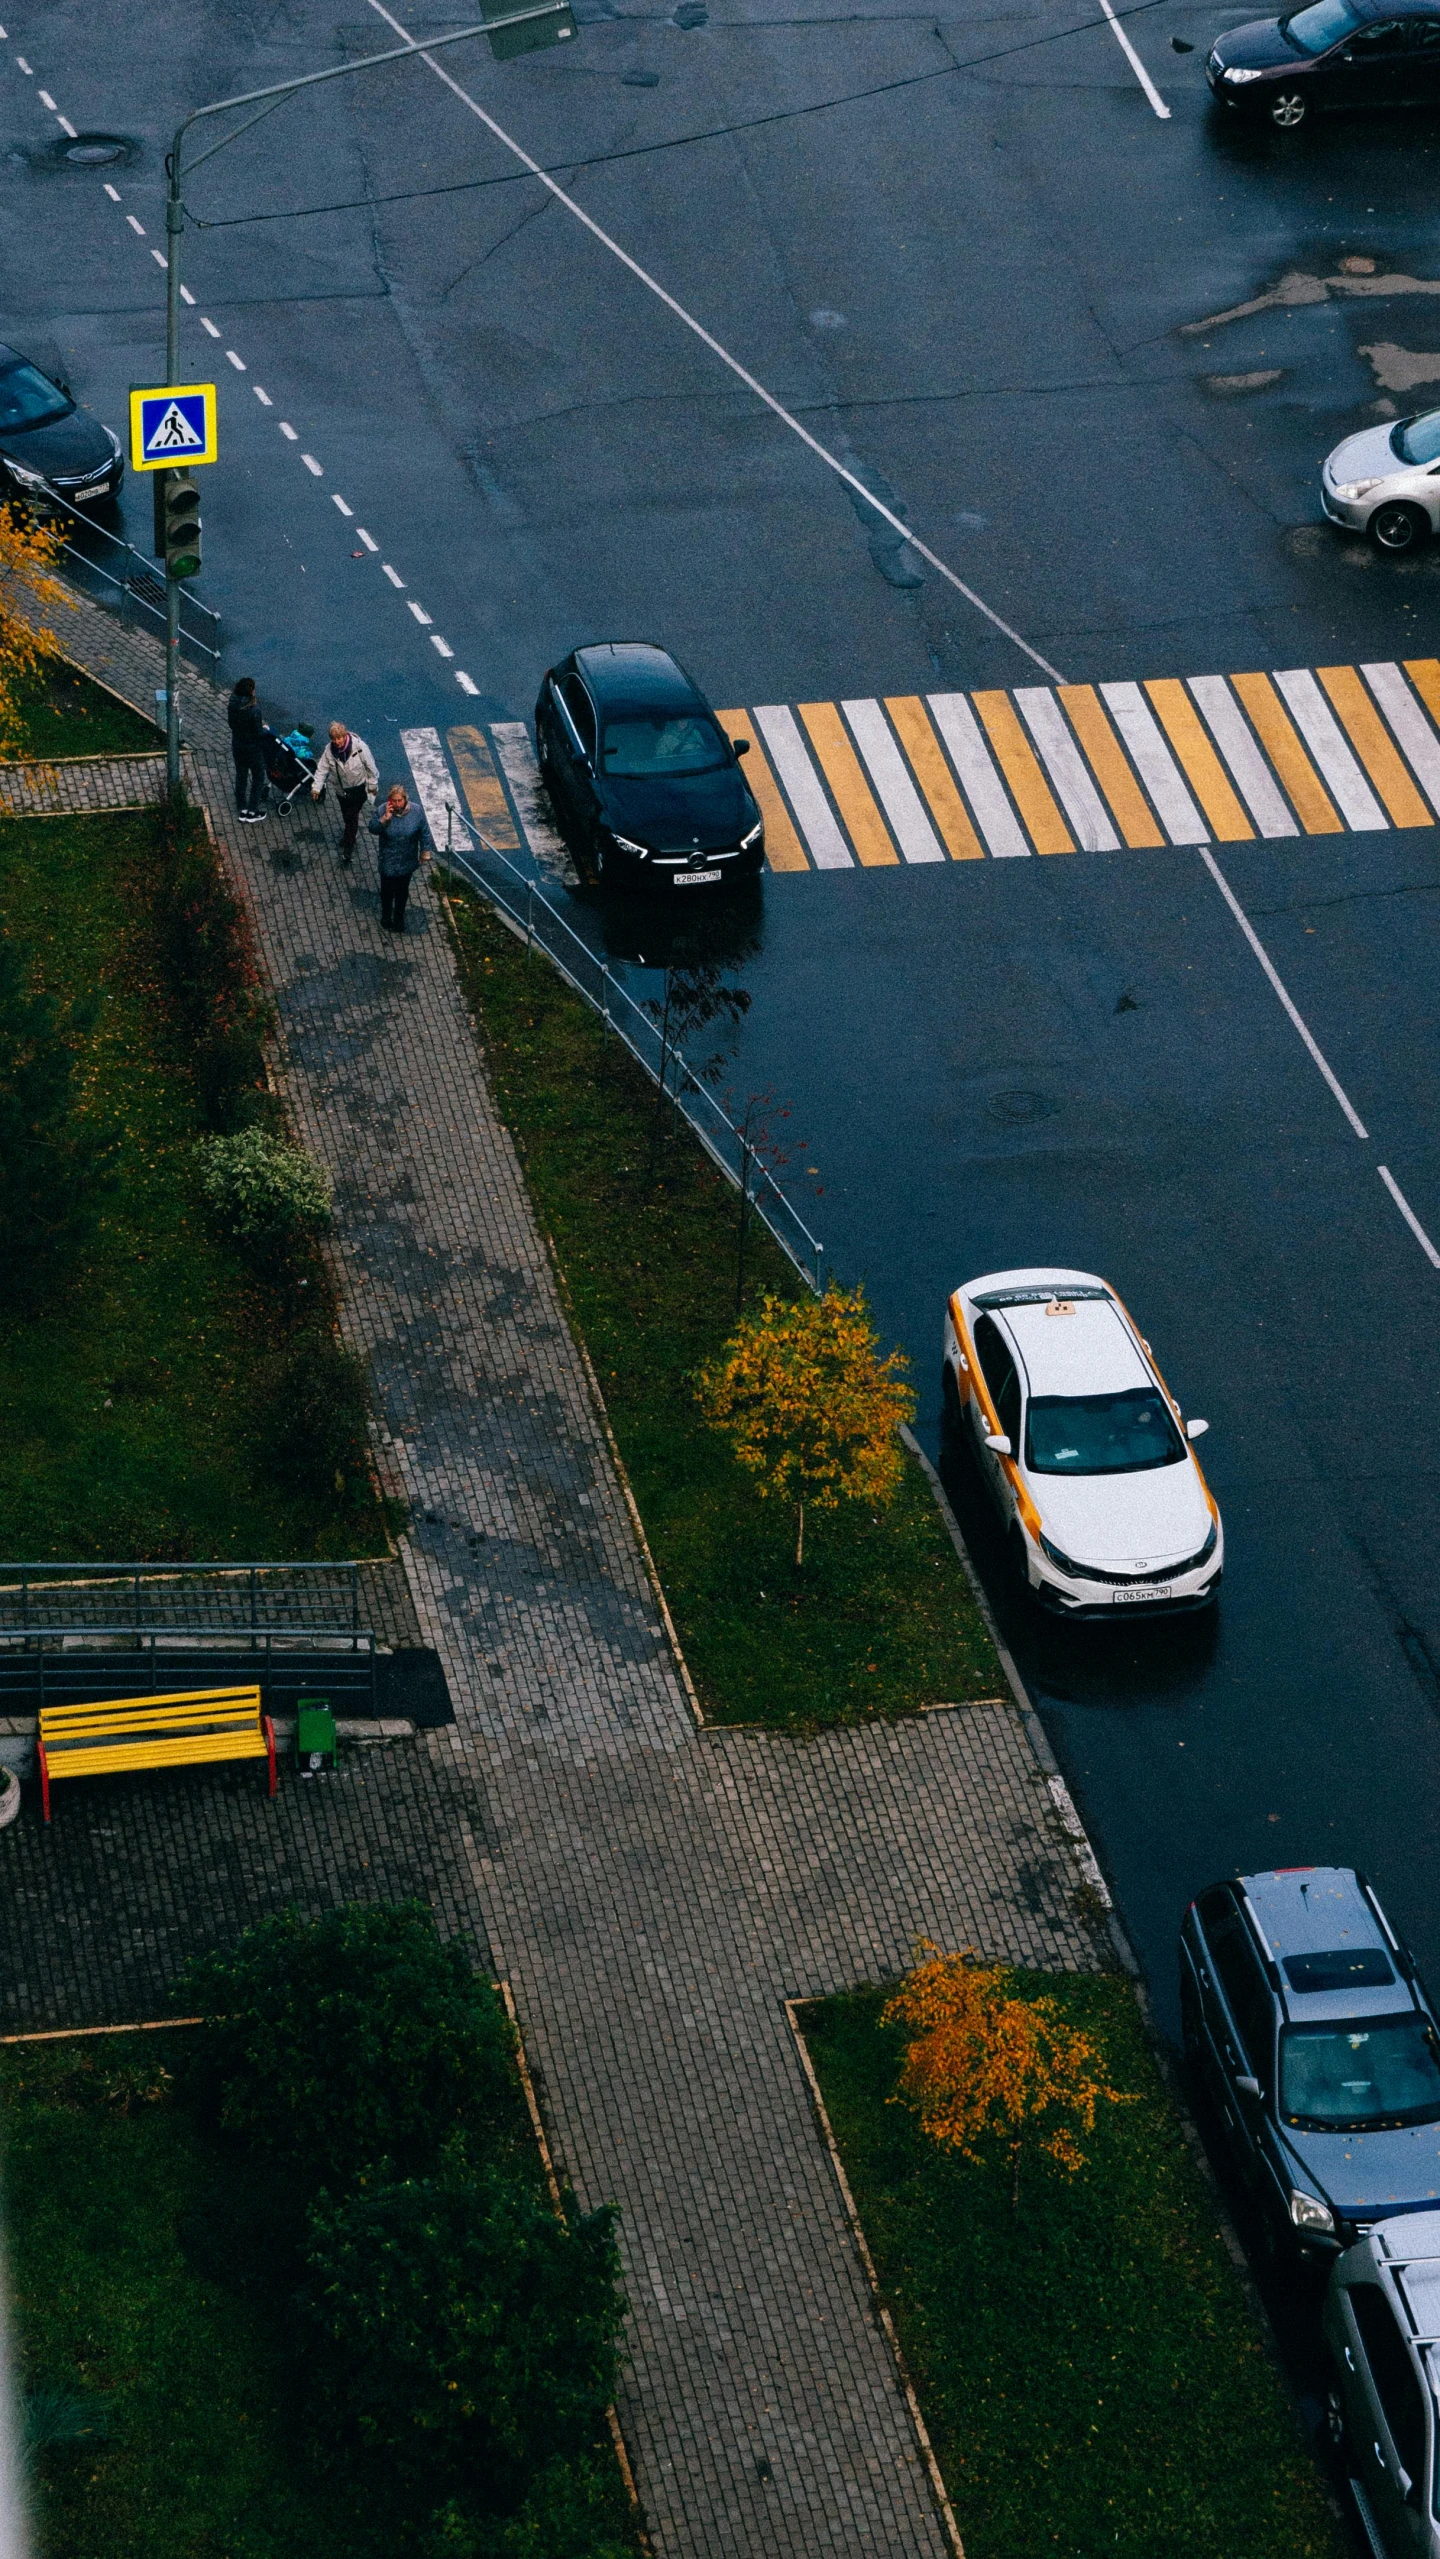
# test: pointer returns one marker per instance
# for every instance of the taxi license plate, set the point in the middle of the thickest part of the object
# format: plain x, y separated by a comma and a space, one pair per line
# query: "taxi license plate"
1152, 1590
696, 879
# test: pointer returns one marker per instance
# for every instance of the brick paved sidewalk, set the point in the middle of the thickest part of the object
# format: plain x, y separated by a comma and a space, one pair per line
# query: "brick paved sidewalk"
652, 1892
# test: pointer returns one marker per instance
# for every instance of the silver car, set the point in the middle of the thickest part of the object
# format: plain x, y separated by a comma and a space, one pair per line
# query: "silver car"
1385, 481
1382, 2314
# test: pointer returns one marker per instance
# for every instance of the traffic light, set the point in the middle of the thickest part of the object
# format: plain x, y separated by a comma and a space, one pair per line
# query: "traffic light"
177, 523
506, 42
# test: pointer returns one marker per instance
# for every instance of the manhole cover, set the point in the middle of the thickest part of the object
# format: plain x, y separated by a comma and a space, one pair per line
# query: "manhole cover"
1018, 1107
95, 151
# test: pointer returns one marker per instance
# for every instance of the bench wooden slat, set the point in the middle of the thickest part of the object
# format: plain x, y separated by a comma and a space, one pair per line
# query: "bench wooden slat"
184, 1728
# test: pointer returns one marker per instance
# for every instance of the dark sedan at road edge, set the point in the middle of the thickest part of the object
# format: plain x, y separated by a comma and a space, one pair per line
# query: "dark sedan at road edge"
48, 443
1333, 54
644, 782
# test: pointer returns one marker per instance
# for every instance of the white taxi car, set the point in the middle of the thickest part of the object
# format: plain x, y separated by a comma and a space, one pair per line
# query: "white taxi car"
1081, 1445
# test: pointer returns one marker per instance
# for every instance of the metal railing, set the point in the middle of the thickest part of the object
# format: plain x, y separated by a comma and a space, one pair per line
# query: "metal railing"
76, 1665
131, 1599
523, 901
133, 580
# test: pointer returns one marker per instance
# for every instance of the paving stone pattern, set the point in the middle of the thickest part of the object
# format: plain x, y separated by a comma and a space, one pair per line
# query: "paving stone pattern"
653, 1892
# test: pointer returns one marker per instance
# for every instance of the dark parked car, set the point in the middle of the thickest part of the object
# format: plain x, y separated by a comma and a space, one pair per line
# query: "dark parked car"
1335, 53
47, 443
644, 782
1318, 2047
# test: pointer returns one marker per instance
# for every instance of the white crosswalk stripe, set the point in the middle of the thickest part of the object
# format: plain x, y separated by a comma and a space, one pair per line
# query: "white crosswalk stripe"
1417, 738
826, 845
1316, 722
984, 790
901, 801
1061, 758
435, 790
1249, 771
517, 763
1155, 765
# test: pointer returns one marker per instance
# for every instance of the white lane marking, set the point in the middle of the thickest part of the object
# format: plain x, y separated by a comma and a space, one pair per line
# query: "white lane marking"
46, 100
438, 795
209, 327
1273, 974
66, 126
903, 806
337, 500
442, 645
1061, 757
895, 522
465, 682
24, 66
159, 257
392, 574
232, 358
1249, 771
1407, 1212
1316, 722
1136, 65
827, 846
517, 763
185, 293
984, 790
1155, 764
420, 613
362, 536
114, 195
312, 465
137, 227
288, 431
262, 396
1416, 736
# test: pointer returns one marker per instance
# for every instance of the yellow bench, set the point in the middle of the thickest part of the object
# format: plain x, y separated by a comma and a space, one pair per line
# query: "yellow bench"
152, 1732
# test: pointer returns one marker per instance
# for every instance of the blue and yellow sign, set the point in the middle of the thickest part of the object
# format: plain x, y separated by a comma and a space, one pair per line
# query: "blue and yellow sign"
173, 428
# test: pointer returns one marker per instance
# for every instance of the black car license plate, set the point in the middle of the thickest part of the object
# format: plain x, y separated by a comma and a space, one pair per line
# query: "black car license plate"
696, 879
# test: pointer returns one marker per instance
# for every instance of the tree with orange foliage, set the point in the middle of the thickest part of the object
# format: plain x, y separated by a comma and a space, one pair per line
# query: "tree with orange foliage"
989, 2069
29, 552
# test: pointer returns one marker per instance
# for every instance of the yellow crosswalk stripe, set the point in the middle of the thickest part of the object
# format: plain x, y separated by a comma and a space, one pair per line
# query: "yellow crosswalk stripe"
1424, 674
1372, 743
911, 723
1293, 766
1206, 773
1128, 805
849, 789
783, 848
484, 791
1031, 791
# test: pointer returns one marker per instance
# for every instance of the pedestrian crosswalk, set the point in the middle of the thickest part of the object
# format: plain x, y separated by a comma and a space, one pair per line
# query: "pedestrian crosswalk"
963, 777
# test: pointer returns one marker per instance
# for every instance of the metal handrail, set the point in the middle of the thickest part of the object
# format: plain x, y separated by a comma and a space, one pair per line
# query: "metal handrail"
723, 1142
31, 1579
137, 582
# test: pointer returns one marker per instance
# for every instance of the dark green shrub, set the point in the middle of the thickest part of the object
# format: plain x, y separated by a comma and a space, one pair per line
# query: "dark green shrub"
54, 1163
573, 2510
312, 1409
268, 1195
205, 949
230, 1082
465, 2334
333, 2044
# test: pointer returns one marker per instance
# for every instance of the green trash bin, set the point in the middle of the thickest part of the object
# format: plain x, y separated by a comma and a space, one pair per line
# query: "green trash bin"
314, 1736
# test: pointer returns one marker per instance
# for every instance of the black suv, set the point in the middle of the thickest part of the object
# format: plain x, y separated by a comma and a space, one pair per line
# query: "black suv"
642, 779
1309, 2027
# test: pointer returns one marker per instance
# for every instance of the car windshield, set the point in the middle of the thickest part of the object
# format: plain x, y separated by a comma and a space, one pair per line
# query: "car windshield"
1315, 29
1417, 439
659, 746
1360, 2074
28, 400
1101, 1434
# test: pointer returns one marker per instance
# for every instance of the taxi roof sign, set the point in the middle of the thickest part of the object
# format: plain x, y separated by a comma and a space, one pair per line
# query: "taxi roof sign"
173, 427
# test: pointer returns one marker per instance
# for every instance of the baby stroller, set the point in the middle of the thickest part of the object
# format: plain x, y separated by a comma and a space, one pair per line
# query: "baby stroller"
290, 762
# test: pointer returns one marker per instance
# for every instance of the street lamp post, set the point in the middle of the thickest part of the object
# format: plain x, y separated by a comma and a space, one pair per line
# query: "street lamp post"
264, 101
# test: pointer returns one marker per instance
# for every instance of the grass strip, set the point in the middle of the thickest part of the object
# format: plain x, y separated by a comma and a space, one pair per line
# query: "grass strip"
881, 1620
1087, 2366
129, 1417
66, 713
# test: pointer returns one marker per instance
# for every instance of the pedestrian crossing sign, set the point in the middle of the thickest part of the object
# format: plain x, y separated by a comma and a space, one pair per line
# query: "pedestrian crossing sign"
174, 427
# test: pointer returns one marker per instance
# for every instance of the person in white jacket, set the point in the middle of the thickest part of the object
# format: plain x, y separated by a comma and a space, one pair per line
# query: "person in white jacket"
348, 762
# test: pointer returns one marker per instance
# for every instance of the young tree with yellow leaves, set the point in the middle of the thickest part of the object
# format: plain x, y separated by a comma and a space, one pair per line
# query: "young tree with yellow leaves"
809, 1406
989, 2069
29, 551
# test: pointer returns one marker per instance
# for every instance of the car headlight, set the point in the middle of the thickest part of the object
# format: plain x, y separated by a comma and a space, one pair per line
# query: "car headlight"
756, 831
1355, 488
1063, 1563
623, 844
25, 479
1240, 77
1308, 2213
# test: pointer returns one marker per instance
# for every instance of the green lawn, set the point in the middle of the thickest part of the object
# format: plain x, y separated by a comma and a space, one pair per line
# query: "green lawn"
65, 714
1088, 2368
881, 1620
128, 1420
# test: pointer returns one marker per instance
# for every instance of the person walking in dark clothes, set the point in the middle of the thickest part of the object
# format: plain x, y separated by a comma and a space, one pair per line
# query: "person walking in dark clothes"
348, 762
402, 848
247, 740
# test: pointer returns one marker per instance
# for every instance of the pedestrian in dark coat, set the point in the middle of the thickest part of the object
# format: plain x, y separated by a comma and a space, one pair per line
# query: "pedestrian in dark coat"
247, 740
402, 849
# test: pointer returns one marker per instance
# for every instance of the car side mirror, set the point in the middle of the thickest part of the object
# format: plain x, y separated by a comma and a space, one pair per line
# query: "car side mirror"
1196, 1430
998, 1441
1248, 2087
741, 745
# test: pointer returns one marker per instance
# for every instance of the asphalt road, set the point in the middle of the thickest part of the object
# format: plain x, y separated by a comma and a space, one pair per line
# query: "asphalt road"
995, 293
